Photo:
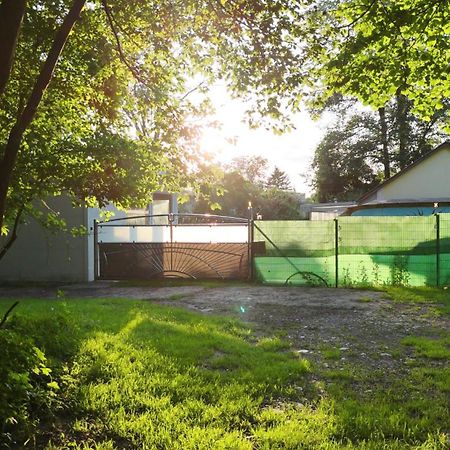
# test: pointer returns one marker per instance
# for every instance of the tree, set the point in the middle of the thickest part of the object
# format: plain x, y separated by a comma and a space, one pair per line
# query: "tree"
362, 148
229, 192
340, 161
252, 168
376, 51
279, 180
55, 100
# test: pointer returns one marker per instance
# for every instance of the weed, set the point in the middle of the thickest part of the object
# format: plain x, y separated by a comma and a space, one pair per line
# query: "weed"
331, 352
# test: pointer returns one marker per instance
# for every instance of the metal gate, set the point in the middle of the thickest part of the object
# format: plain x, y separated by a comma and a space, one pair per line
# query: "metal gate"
196, 246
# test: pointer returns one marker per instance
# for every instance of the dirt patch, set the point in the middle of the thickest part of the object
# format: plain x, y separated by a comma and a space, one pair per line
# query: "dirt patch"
339, 328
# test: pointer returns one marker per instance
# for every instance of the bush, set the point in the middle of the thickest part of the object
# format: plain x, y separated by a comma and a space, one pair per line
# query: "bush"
28, 393
27, 389
54, 334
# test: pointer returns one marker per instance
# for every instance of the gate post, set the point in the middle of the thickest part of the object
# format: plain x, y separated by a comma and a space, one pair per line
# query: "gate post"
438, 249
250, 241
96, 268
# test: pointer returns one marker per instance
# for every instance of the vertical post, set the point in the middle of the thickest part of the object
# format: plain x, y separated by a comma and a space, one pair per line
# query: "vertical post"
96, 268
438, 249
336, 253
250, 241
170, 220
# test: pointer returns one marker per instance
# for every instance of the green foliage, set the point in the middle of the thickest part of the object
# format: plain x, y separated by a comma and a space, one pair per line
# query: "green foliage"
354, 155
244, 181
28, 391
117, 121
374, 51
279, 180
342, 160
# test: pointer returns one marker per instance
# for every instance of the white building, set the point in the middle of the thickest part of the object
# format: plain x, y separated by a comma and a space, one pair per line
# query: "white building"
423, 188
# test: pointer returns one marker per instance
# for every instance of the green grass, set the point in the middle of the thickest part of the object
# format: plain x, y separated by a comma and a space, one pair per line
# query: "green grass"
439, 298
137, 375
330, 352
438, 348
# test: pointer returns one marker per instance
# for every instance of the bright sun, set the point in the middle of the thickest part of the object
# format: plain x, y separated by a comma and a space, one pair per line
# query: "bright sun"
291, 152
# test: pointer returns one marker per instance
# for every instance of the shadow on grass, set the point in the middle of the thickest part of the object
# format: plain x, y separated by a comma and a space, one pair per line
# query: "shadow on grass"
148, 376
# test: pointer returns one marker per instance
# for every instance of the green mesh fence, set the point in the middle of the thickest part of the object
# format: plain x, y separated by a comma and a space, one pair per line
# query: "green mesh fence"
296, 252
444, 247
370, 251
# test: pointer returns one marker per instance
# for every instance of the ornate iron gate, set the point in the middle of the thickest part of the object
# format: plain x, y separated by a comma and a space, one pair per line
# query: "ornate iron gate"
192, 246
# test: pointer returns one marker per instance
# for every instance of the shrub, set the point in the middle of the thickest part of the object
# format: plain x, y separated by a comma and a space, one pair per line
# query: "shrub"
27, 388
28, 393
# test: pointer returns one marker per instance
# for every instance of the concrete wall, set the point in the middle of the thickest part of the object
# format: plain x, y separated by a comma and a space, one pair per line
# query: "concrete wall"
427, 180
42, 255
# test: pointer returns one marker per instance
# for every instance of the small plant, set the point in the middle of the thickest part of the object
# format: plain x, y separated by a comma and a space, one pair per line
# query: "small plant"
376, 274
60, 293
346, 279
331, 353
399, 271
28, 391
363, 276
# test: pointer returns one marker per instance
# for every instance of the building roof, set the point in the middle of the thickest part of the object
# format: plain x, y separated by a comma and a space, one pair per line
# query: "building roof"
433, 202
402, 172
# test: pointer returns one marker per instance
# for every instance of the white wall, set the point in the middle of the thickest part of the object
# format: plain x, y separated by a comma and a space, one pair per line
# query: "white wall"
427, 180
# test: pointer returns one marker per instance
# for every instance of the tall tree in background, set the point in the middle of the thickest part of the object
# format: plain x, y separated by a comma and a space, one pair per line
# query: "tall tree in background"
279, 180
392, 56
238, 188
253, 168
362, 148
341, 165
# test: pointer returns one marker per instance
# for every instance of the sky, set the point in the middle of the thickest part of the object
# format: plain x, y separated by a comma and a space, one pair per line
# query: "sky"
291, 152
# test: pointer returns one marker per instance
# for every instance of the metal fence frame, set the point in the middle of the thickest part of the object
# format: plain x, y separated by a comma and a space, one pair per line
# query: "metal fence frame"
174, 220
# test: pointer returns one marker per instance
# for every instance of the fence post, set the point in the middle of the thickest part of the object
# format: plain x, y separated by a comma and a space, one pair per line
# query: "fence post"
336, 252
438, 249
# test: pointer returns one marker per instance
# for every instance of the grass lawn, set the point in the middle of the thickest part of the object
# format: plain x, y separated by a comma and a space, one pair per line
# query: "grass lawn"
118, 374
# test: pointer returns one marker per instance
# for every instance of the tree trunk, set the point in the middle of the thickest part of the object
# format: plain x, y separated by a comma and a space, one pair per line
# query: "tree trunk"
11, 16
402, 130
384, 143
12, 147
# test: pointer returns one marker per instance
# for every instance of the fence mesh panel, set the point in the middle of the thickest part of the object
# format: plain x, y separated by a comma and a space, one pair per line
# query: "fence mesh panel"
444, 246
370, 251
387, 250
296, 252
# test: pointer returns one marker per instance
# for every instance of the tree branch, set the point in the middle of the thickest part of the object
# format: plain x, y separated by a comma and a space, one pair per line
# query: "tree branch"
13, 236
7, 313
122, 55
12, 146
